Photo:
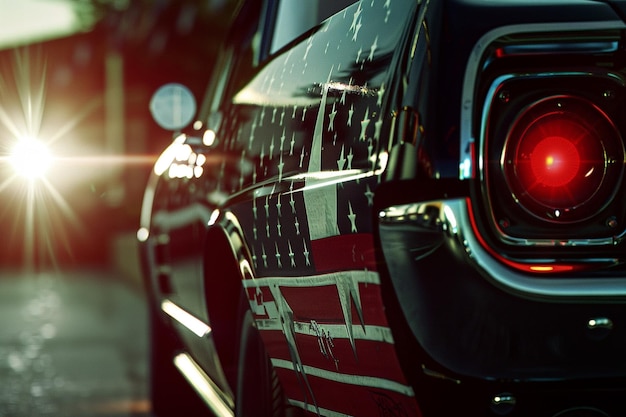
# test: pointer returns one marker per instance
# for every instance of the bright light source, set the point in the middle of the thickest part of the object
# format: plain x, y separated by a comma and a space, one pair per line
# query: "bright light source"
30, 158
143, 234
169, 155
28, 21
208, 139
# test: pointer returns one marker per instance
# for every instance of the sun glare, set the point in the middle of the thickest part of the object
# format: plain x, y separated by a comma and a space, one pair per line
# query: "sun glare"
30, 158
38, 186
42, 214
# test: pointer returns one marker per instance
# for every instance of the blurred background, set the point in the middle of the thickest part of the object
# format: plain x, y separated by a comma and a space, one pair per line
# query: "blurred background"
78, 75
77, 142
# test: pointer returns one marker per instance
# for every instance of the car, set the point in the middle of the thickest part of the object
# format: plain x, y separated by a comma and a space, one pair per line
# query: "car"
389, 207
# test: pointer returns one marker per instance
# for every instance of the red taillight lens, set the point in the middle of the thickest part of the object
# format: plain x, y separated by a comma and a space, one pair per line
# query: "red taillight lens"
554, 162
562, 159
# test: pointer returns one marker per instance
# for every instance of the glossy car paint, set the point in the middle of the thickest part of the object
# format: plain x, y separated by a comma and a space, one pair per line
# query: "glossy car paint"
345, 194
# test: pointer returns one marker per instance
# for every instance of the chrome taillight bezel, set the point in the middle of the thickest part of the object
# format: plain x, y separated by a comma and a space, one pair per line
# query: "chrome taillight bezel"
541, 53
515, 215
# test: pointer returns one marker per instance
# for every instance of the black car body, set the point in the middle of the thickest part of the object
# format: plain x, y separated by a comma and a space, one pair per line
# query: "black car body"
412, 208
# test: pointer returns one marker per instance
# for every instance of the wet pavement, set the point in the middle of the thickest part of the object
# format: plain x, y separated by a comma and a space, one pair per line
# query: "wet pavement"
72, 344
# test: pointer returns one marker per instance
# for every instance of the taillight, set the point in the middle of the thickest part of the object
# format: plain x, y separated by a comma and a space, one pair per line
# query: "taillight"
550, 160
562, 159
553, 158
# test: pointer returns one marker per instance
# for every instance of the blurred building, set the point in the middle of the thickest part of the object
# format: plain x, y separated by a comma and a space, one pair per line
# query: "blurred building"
87, 96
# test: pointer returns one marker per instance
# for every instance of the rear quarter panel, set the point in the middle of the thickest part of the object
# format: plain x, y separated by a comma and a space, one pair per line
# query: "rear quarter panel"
307, 131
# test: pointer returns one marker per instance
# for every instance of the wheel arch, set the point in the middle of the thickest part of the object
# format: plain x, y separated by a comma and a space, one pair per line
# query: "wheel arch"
226, 262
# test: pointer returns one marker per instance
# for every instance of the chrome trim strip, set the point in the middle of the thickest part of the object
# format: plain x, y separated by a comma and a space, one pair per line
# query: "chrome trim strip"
210, 393
359, 380
189, 321
456, 218
472, 70
579, 47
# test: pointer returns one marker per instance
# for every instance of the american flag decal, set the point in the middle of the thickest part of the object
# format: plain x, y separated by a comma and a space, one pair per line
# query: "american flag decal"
308, 128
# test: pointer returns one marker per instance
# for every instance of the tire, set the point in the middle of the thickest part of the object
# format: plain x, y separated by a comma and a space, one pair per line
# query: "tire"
258, 390
170, 393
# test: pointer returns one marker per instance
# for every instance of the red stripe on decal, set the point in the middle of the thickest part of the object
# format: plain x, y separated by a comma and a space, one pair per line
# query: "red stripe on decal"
352, 400
372, 356
327, 307
344, 253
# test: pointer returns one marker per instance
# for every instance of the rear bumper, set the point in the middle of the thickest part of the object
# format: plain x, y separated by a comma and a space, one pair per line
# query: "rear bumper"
485, 327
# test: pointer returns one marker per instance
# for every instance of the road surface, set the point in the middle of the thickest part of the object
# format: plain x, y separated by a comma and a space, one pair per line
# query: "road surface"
72, 344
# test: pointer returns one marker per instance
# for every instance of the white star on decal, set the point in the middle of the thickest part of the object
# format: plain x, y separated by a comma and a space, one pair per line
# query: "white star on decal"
292, 143
377, 128
355, 18
331, 117
292, 202
373, 48
279, 206
291, 255
352, 217
252, 134
350, 157
309, 44
264, 255
356, 30
387, 6
350, 114
306, 254
364, 124
281, 166
277, 254
343, 94
369, 194
380, 93
282, 140
341, 162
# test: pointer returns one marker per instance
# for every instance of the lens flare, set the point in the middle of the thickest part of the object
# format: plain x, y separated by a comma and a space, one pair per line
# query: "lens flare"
39, 187
30, 158
562, 159
555, 162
